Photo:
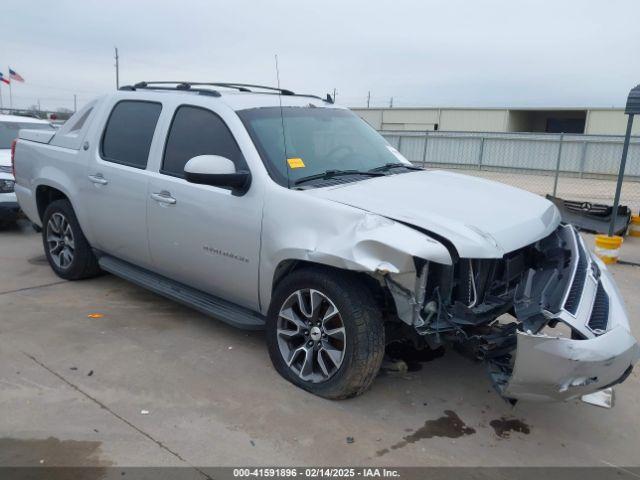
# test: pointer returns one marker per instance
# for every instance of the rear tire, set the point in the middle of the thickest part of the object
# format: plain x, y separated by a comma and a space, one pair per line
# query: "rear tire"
345, 348
65, 246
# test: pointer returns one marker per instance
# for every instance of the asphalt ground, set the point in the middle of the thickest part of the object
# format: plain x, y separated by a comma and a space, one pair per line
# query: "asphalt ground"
147, 382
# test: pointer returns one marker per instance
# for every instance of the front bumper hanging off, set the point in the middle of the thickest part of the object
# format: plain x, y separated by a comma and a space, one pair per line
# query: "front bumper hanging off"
550, 367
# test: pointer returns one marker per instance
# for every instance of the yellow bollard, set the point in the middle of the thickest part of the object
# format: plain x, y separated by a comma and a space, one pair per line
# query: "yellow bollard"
608, 248
634, 226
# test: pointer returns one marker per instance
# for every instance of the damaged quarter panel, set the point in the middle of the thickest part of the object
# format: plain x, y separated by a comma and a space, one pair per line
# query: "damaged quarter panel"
300, 226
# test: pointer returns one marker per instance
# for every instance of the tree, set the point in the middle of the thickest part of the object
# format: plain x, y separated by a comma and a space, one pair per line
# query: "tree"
63, 113
33, 110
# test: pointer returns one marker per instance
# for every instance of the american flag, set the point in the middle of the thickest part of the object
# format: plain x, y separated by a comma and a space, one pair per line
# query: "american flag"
13, 75
4, 80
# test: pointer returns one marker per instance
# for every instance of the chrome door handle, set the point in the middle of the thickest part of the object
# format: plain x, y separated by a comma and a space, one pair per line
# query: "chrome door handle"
163, 197
98, 179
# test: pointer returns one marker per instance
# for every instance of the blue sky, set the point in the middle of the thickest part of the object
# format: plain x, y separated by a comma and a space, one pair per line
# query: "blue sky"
475, 53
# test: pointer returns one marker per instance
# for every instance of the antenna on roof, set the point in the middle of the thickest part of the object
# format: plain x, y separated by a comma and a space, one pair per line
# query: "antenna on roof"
284, 137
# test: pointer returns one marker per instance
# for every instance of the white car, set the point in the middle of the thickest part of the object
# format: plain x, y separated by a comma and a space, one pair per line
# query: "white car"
267, 209
10, 125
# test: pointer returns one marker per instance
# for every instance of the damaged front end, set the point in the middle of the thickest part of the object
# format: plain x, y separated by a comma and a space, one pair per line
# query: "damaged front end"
547, 319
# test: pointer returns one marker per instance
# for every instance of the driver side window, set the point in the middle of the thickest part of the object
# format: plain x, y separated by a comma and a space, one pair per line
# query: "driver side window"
197, 131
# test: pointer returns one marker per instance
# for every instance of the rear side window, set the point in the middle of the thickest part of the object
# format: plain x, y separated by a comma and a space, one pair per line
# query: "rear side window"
129, 131
197, 131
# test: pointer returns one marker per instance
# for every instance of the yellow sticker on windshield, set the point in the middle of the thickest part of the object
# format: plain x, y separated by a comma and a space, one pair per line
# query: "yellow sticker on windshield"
295, 163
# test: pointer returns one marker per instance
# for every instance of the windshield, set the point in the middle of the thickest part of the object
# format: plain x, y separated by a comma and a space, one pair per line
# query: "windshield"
317, 140
9, 131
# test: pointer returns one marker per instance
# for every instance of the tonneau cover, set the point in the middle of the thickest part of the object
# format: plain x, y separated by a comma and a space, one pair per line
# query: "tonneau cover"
40, 136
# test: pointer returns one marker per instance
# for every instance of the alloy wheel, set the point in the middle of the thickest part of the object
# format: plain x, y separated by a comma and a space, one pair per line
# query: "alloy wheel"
60, 240
311, 335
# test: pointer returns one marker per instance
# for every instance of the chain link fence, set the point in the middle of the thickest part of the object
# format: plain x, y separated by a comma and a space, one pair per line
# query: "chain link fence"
574, 167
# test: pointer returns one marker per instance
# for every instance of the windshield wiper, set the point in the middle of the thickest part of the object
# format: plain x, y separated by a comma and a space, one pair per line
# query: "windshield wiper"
336, 173
388, 166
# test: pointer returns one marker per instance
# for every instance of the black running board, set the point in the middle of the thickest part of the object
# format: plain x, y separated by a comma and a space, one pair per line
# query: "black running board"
203, 302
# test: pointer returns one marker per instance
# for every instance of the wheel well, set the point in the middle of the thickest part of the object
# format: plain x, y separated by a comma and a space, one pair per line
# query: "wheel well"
45, 195
380, 293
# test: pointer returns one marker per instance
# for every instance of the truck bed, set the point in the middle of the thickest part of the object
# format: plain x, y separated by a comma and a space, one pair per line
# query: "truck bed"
39, 136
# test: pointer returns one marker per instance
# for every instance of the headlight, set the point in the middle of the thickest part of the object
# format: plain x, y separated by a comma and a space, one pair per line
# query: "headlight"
7, 186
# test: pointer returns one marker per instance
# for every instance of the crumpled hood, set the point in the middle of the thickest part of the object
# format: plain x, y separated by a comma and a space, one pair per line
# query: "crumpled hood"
481, 218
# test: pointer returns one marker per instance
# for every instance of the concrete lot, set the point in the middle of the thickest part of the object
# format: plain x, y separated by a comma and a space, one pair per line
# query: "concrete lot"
72, 389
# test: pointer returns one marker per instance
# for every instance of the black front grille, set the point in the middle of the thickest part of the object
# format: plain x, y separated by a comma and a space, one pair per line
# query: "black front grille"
575, 292
600, 312
588, 207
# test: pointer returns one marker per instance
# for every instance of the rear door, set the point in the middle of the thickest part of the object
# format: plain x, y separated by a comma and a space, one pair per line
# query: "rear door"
202, 235
117, 180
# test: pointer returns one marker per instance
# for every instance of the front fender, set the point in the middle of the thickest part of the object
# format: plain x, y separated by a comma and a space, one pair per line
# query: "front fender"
315, 230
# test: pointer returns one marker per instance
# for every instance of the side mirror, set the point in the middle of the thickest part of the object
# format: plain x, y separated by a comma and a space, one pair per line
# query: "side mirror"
217, 171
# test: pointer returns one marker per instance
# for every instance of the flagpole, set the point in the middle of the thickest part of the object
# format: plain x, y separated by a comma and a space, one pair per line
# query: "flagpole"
10, 95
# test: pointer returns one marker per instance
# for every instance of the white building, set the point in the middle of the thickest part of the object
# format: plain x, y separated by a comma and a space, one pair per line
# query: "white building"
593, 121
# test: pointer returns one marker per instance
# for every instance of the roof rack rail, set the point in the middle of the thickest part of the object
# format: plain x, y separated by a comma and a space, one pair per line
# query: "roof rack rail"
189, 86
178, 86
243, 87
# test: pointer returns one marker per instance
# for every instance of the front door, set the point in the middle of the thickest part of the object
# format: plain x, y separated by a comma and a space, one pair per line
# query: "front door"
117, 182
201, 235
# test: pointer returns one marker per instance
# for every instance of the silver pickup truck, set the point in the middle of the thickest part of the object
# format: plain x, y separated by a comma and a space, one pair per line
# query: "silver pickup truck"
267, 209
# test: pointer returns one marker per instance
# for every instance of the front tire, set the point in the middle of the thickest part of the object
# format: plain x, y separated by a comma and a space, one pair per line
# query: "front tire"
325, 332
65, 246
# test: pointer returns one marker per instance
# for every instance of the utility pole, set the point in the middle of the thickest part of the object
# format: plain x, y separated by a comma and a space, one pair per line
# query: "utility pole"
39, 107
391, 102
368, 98
632, 108
117, 70
75, 102
334, 95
